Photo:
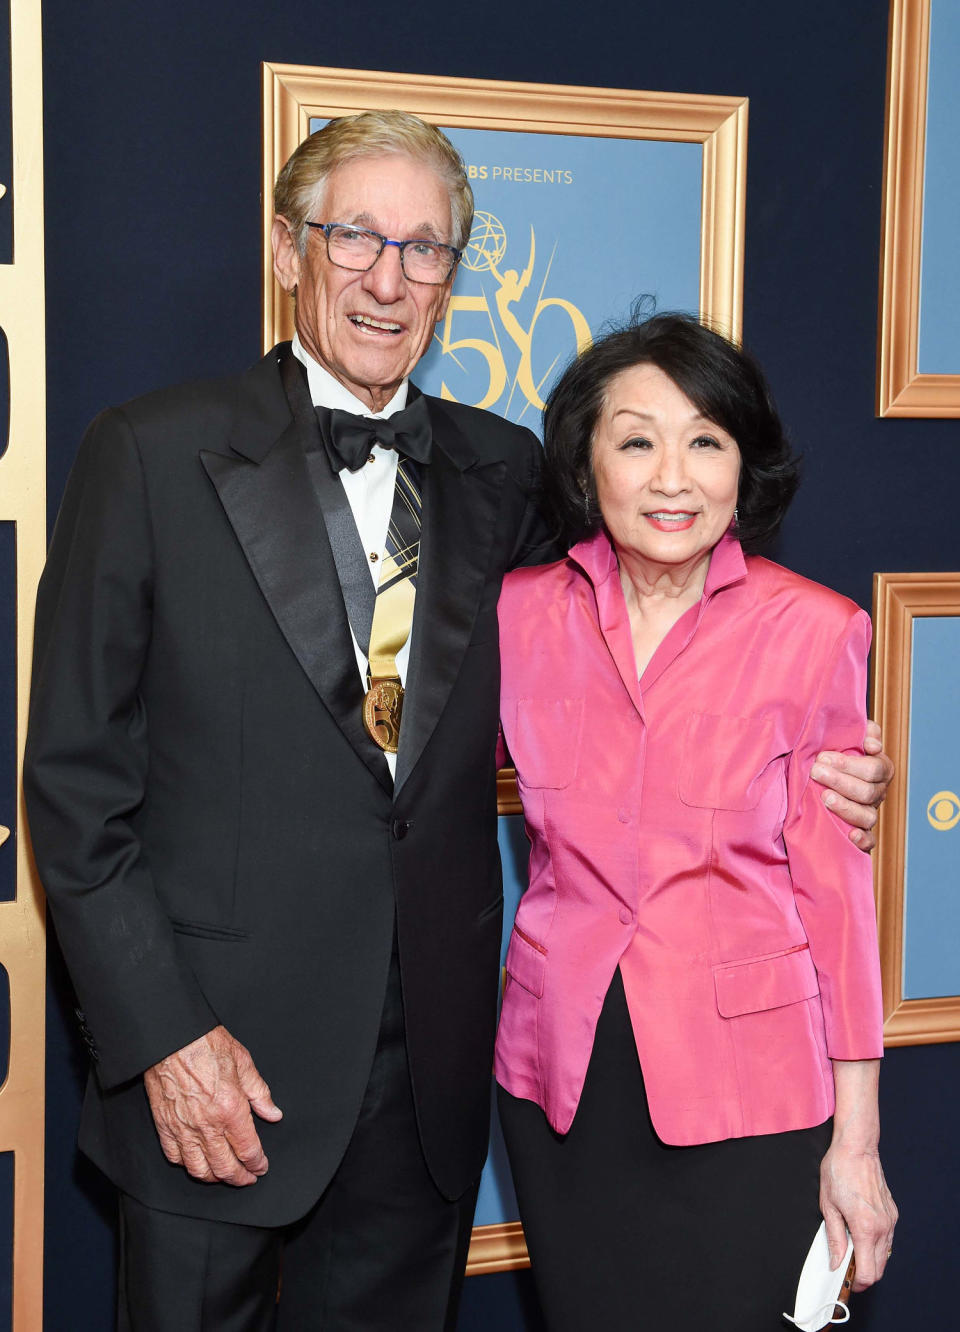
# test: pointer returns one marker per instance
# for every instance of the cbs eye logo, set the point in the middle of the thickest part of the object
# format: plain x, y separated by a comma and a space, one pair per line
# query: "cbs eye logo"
943, 811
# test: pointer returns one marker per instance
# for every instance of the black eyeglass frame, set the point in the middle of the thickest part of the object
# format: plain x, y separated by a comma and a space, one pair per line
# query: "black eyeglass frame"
327, 227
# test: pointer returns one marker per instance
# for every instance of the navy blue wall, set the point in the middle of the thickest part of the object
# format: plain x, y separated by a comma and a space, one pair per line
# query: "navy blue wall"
152, 156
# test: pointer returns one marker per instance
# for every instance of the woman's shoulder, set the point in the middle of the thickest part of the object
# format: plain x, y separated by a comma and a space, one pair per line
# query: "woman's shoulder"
537, 582
805, 598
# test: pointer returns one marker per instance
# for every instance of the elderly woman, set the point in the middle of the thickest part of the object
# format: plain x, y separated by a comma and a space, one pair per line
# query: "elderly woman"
691, 1029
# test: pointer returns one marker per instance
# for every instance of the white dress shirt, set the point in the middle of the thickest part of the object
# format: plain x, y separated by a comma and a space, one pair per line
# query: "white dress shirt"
369, 490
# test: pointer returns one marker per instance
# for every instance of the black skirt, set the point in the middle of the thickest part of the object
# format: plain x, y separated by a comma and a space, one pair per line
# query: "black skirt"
627, 1234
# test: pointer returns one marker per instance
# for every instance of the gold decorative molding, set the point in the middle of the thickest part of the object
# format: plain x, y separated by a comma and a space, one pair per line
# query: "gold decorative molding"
23, 502
500, 1248
901, 389
508, 797
723, 221
897, 600
294, 94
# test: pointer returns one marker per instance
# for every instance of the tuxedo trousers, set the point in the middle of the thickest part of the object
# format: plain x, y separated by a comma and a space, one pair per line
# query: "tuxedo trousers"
629, 1234
381, 1251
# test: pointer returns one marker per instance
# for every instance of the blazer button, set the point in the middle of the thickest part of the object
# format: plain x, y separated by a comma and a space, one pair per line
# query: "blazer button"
626, 917
400, 829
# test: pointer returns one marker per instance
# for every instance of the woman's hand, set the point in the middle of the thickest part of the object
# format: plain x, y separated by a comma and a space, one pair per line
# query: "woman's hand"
853, 1190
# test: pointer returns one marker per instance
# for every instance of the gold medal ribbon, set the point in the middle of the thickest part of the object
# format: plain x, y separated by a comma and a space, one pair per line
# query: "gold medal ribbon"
393, 610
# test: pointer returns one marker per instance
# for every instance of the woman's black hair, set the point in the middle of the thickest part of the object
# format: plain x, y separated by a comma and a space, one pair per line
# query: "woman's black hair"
722, 381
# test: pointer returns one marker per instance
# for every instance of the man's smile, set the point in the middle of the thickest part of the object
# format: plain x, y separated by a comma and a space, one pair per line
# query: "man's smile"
369, 324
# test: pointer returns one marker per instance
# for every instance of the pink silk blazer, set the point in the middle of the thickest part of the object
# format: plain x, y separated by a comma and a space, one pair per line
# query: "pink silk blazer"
675, 833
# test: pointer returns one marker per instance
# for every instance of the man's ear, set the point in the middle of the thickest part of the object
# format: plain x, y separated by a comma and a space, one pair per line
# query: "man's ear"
286, 256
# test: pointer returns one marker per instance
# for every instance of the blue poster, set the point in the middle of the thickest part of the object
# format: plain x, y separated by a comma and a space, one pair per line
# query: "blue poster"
568, 232
932, 864
497, 1201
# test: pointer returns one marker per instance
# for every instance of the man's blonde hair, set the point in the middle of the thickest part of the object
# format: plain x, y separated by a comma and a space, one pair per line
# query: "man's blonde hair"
298, 192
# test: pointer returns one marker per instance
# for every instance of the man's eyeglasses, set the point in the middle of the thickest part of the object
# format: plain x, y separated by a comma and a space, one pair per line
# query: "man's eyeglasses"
359, 249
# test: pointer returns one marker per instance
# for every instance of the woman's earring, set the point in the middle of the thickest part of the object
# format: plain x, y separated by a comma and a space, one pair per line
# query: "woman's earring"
586, 507
736, 517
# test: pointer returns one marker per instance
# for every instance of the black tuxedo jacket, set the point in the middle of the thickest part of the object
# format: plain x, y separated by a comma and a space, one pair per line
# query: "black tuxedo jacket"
219, 839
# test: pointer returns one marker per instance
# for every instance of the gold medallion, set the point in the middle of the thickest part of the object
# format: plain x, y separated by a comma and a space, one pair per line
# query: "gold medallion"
382, 707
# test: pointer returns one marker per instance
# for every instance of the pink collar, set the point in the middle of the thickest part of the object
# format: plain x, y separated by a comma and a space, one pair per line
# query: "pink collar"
598, 560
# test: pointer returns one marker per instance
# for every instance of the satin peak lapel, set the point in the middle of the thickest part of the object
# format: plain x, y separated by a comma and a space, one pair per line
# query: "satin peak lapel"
461, 503
274, 512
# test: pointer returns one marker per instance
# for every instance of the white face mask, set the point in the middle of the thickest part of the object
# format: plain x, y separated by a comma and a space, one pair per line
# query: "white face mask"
819, 1289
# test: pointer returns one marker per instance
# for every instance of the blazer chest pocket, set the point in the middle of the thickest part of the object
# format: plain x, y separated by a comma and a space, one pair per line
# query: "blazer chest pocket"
546, 745
723, 759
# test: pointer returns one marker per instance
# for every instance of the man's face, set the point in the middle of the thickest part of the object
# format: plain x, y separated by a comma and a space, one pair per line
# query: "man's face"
368, 329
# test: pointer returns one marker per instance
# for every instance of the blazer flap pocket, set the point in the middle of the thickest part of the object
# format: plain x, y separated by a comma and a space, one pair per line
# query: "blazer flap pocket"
722, 760
546, 742
765, 982
526, 962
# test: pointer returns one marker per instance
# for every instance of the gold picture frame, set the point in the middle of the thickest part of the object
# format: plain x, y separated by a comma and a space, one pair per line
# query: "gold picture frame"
898, 599
497, 1248
902, 391
294, 94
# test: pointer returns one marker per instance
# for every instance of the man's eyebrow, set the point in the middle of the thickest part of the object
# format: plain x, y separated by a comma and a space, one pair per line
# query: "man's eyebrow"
425, 230
362, 220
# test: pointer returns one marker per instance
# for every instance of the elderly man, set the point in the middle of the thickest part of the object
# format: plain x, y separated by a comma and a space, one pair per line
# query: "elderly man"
261, 778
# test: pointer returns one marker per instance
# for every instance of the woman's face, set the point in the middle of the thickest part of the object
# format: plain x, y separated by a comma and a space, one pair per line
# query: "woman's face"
666, 477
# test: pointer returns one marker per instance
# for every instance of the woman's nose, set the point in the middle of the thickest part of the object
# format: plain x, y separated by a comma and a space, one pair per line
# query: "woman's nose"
671, 472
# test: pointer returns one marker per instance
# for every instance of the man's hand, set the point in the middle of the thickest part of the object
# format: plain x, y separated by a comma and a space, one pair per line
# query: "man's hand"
856, 786
201, 1098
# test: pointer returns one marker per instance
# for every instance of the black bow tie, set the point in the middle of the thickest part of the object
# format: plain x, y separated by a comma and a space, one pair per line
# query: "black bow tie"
350, 438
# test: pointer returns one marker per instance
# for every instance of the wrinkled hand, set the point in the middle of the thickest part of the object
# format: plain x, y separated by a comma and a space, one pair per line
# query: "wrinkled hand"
854, 1191
856, 785
201, 1098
